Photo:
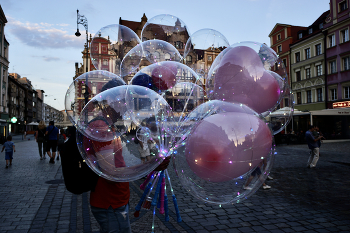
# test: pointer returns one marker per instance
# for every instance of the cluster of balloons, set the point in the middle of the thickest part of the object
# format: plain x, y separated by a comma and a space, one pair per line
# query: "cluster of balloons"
193, 97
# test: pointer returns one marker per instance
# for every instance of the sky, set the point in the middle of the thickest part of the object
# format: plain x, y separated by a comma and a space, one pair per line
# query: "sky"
44, 49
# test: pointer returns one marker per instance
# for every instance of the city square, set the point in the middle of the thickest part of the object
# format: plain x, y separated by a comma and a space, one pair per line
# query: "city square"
300, 200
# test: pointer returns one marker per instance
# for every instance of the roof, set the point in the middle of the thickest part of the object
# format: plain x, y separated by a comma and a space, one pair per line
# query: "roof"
2, 15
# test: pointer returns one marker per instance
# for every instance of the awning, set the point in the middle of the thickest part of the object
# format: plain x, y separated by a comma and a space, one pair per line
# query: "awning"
33, 123
332, 112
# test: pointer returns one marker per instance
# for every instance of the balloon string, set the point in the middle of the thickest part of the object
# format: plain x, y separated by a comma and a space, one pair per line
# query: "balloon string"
174, 199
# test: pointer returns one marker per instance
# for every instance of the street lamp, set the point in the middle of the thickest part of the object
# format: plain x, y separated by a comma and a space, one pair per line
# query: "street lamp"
81, 19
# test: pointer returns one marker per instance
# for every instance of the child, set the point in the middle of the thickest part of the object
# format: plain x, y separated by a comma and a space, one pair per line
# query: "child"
9, 147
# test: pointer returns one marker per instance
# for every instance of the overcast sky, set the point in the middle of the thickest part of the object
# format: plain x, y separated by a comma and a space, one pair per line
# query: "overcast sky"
44, 49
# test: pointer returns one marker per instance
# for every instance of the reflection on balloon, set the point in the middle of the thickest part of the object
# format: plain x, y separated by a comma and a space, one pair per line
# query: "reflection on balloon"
109, 46
93, 83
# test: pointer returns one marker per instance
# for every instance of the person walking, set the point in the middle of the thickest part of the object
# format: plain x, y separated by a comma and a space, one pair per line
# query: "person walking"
60, 143
9, 147
313, 145
41, 140
52, 136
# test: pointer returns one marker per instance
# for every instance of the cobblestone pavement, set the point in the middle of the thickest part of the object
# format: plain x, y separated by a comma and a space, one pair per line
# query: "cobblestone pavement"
33, 198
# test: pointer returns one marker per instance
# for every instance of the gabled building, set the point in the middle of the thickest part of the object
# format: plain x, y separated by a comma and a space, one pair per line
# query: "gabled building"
307, 67
281, 37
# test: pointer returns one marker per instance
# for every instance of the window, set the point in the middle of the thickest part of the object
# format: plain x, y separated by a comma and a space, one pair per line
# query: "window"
105, 62
308, 95
319, 70
286, 102
300, 35
285, 62
179, 45
307, 53
343, 6
333, 94
298, 97
319, 94
347, 92
318, 49
346, 63
279, 48
167, 57
320, 26
344, 35
94, 90
278, 36
332, 67
297, 75
297, 57
189, 58
310, 30
209, 58
331, 40
307, 73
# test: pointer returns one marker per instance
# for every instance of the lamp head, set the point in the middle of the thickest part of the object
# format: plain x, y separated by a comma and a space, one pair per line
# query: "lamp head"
77, 33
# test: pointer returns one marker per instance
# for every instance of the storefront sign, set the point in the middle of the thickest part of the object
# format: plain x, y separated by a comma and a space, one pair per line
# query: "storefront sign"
345, 104
13, 119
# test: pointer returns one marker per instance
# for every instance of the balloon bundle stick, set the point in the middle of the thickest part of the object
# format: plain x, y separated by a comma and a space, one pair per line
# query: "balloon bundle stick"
174, 198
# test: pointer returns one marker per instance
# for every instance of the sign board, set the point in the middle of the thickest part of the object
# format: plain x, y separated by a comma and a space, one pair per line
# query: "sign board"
344, 104
13, 119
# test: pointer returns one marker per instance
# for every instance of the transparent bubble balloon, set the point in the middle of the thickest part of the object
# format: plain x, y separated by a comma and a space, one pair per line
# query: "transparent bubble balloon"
109, 107
153, 51
85, 87
183, 98
223, 153
279, 118
120, 159
109, 46
208, 40
131, 61
244, 75
163, 76
168, 28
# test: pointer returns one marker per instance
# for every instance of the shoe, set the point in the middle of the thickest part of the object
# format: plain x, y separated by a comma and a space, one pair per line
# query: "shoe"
58, 158
266, 187
7, 166
247, 188
41, 158
269, 178
52, 161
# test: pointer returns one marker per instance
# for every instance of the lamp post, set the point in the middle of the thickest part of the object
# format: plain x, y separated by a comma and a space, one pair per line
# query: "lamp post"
81, 19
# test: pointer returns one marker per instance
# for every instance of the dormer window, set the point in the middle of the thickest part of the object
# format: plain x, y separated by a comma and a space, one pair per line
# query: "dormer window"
310, 30
300, 35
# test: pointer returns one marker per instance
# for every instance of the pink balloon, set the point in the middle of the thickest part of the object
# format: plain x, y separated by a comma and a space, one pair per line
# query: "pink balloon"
241, 77
225, 146
164, 76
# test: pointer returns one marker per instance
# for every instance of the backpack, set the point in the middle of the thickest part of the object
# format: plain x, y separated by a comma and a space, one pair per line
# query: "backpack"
60, 141
78, 177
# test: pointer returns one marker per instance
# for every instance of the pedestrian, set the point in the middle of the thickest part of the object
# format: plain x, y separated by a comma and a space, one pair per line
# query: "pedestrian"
256, 172
9, 147
41, 139
312, 143
51, 136
60, 142
25, 135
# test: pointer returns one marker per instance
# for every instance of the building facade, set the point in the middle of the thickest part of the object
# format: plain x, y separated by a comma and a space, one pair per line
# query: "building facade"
4, 65
16, 96
307, 59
